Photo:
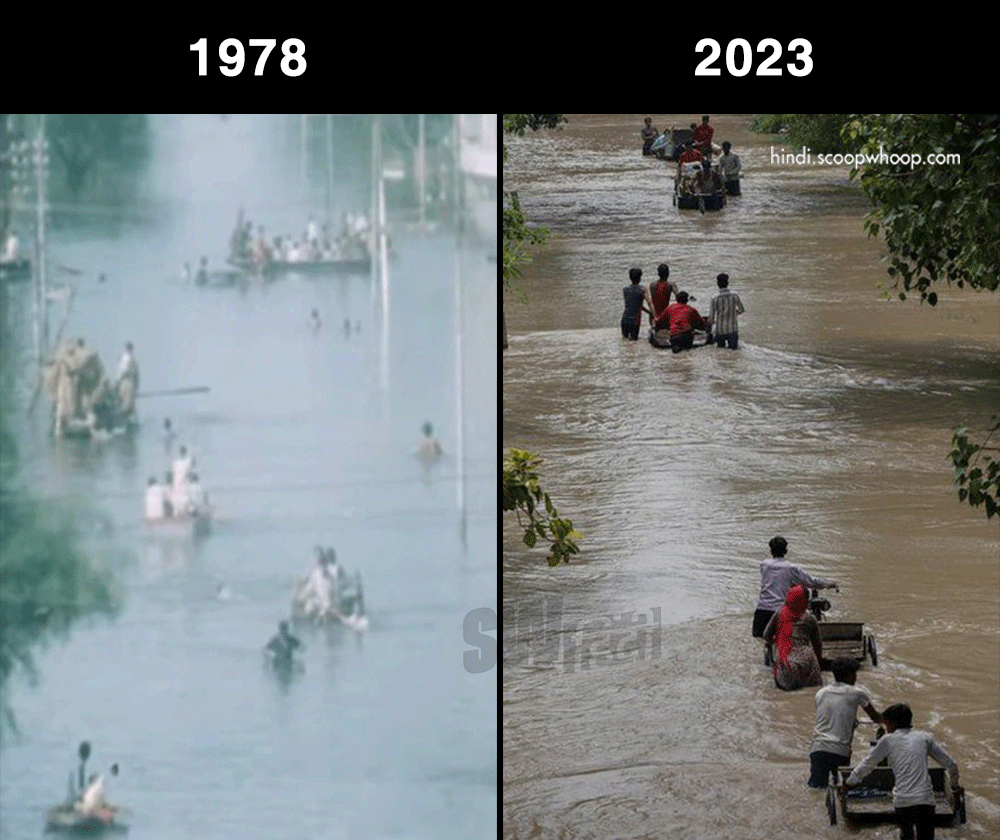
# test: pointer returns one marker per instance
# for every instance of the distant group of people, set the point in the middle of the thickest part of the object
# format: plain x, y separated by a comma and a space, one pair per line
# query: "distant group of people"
181, 494
782, 618
698, 149
314, 245
673, 325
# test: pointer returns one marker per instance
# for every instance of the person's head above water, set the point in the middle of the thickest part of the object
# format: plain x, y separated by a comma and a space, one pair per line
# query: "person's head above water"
283, 628
682, 297
844, 670
428, 429
166, 423
897, 716
152, 480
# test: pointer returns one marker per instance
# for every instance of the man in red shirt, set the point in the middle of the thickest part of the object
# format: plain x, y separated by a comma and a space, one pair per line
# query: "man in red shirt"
703, 136
684, 320
690, 154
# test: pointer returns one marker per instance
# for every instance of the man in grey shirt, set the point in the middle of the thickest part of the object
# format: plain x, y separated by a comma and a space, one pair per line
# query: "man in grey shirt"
777, 576
836, 715
906, 751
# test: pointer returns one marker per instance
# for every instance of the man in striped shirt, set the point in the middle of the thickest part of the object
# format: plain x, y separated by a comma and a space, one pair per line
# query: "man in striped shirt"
726, 305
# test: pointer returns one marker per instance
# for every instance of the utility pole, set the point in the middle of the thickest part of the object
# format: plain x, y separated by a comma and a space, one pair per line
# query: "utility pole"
329, 169
304, 156
422, 168
376, 176
43, 160
459, 355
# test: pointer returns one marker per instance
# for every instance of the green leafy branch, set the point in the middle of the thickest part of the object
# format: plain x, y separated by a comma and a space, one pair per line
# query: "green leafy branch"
535, 512
977, 474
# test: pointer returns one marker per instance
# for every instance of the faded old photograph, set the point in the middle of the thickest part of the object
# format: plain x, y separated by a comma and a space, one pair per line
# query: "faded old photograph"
248, 432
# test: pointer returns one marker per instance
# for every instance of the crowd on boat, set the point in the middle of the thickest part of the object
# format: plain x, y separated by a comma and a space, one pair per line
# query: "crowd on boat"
676, 325
697, 173
181, 495
315, 244
84, 399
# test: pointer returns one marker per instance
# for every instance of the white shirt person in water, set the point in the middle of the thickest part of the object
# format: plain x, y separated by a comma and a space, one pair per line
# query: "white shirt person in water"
181, 467
154, 500
430, 449
93, 800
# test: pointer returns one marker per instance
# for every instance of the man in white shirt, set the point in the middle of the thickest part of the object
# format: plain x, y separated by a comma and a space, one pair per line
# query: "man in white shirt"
722, 312
12, 247
311, 230
836, 716
777, 576
729, 167
906, 751
196, 496
93, 800
128, 380
316, 594
430, 450
154, 500
181, 467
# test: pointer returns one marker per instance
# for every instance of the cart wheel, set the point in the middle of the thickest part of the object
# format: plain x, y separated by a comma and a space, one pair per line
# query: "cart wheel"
960, 805
872, 652
767, 655
831, 804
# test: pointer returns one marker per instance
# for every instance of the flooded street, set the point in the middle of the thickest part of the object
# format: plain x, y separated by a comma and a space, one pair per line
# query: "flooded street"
830, 426
305, 437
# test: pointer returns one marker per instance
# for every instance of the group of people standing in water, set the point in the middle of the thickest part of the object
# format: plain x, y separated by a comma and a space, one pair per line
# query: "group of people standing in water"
782, 618
673, 325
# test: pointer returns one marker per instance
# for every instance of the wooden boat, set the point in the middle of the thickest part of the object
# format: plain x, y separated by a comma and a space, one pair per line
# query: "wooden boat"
15, 269
872, 801
79, 429
65, 819
355, 265
182, 527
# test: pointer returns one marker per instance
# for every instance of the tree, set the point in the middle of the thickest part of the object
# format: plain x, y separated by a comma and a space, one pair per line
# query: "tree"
52, 574
535, 512
978, 475
80, 141
522, 492
817, 132
940, 220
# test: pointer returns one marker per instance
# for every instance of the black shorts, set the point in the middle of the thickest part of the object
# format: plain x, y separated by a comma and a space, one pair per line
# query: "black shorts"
822, 765
733, 187
630, 329
760, 619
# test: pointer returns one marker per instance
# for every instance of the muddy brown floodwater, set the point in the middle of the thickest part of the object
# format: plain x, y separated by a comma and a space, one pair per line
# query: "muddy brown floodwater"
830, 425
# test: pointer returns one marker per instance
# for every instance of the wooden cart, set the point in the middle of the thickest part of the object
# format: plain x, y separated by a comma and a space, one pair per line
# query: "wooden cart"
841, 639
872, 801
